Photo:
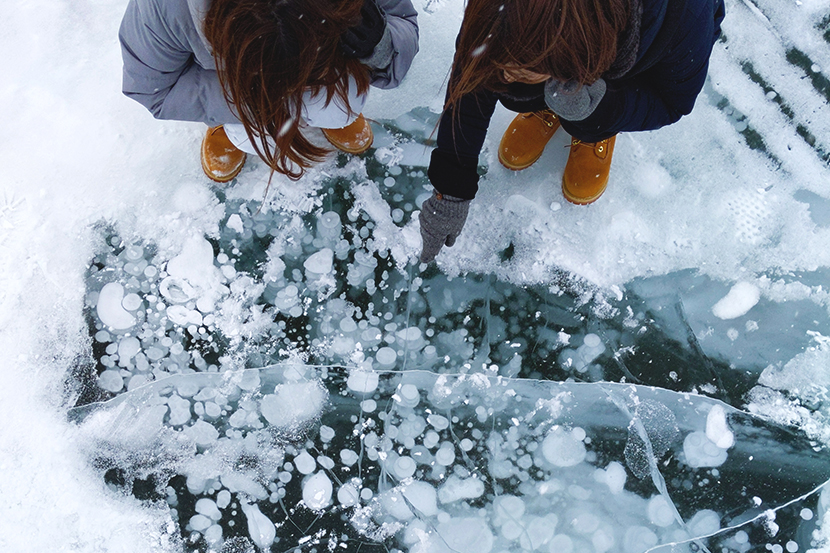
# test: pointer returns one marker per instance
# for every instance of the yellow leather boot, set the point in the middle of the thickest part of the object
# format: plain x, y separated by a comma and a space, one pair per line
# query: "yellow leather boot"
526, 137
355, 138
221, 160
586, 173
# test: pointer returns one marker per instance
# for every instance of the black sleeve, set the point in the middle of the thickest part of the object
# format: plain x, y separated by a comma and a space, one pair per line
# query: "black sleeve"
461, 133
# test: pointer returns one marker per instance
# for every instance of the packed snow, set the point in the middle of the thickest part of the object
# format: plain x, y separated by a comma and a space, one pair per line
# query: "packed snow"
195, 367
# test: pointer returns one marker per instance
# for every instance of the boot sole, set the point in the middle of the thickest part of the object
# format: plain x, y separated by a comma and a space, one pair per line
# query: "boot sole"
213, 177
519, 167
582, 201
355, 151
222, 179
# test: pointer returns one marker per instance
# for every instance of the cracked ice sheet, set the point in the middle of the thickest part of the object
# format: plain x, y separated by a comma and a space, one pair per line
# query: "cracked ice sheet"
416, 460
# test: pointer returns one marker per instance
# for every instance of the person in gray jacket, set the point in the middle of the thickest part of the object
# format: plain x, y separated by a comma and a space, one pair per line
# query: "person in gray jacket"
258, 71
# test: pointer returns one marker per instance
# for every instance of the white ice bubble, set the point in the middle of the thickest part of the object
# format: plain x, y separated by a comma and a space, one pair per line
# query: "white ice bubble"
638, 539
305, 463
613, 476
348, 457
562, 449
422, 497
439, 422
317, 491
445, 455
507, 507
223, 499
111, 380
327, 433
182, 316
260, 528
179, 410
700, 451
386, 357
368, 405
348, 495
408, 395
128, 348
235, 223
362, 382
584, 522
741, 298
319, 263
206, 506
455, 489
603, 539
404, 467
561, 543
293, 403
110, 310
592, 340
131, 302
200, 523
538, 531
704, 523
659, 511
717, 429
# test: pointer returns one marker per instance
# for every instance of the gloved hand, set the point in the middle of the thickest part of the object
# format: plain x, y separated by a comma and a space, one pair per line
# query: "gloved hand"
573, 102
442, 218
360, 41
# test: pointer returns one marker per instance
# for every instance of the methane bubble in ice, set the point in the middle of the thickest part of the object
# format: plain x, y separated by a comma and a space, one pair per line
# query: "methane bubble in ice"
110, 310
612, 476
700, 451
717, 430
111, 381
305, 463
261, 530
348, 494
638, 539
362, 382
317, 490
128, 348
319, 264
293, 404
562, 449
659, 511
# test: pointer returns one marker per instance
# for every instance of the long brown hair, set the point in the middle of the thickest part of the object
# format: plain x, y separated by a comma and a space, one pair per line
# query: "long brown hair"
268, 53
570, 40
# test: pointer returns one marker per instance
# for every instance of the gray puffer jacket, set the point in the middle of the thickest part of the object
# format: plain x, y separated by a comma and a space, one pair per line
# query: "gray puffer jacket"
169, 67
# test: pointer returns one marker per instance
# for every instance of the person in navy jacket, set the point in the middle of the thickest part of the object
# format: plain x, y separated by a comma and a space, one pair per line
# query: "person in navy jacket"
592, 67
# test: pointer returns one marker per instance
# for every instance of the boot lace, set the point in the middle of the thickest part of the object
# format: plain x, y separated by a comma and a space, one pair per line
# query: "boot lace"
598, 146
546, 116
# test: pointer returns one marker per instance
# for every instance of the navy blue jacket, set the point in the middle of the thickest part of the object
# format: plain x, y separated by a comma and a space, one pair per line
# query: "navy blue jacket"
676, 39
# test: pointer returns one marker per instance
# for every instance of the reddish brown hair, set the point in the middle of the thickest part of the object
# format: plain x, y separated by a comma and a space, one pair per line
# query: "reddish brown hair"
570, 40
268, 53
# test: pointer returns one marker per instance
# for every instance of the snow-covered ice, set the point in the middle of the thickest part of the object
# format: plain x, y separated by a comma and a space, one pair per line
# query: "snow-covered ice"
229, 356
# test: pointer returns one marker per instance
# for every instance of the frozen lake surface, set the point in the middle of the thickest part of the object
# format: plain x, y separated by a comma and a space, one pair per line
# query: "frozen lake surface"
201, 368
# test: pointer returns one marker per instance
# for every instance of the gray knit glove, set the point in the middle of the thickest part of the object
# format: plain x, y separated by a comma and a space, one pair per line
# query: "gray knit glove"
442, 218
573, 102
